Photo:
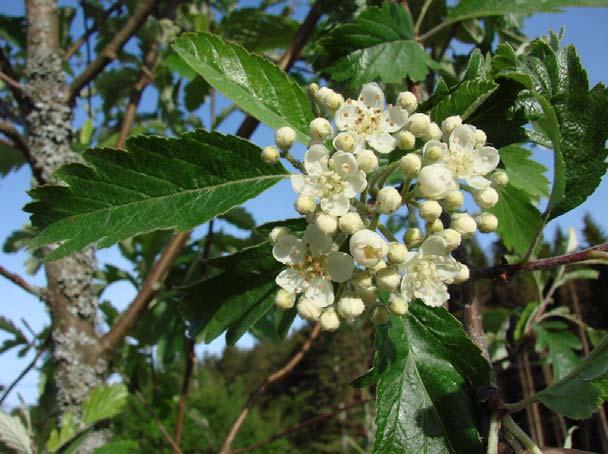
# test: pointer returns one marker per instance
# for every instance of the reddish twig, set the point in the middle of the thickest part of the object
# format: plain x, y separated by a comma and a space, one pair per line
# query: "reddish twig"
302, 425
505, 272
20, 282
270, 379
11, 82
110, 52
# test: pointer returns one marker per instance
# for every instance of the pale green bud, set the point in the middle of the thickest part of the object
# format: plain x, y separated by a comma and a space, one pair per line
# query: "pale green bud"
305, 204
430, 210
388, 278
397, 305
486, 222
285, 137
408, 101
329, 320
406, 140
413, 237
397, 252
270, 155
284, 300
410, 165
388, 200
321, 129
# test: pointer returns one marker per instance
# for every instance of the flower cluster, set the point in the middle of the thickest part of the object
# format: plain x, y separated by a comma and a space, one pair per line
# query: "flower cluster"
336, 270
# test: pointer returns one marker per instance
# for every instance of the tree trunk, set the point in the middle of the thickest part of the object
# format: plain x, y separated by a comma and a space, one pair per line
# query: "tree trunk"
72, 300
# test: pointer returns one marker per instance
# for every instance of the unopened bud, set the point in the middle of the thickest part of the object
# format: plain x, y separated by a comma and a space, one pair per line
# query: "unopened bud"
408, 101
486, 222
388, 278
350, 307
329, 320
450, 123
388, 200
380, 316
345, 142
305, 204
367, 161
327, 223
308, 309
453, 200
419, 124
464, 224
434, 132
369, 295
284, 300
480, 138
313, 89
350, 223
406, 140
500, 178
361, 279
277, 233
270, 155
430, 210
462, 275
452, 238
378, 266
285, 137
435, 227
334, 101
397, 305
410, 165
397, 252
433, 151
486, 198
321, 129
413, 237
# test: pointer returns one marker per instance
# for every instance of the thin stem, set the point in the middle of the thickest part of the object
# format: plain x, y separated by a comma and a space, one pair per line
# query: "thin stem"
421, 16
22, 283
25, 371
493, 434
11, 82
520, 435
183, 397
387, 233
421, 39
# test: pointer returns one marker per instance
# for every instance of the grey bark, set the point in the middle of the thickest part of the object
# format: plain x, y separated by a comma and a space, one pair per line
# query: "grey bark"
72, 300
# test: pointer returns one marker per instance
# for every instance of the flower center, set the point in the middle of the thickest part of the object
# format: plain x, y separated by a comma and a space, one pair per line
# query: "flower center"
461, 164
367, 121
420, 274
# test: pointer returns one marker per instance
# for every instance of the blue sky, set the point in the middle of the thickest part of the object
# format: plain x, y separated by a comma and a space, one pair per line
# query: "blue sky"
585, 27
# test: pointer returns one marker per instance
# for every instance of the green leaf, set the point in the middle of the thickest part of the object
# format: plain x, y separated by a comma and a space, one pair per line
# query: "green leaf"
195, 92
239, 217
68, 429
587, 382
119, 447
157, 184
11, 159
378, 45
12, 29
104, 402
464, 99
14, 434
522, 322
258, 87
561, 345
518, 219
427, 369
258, 31
524, 173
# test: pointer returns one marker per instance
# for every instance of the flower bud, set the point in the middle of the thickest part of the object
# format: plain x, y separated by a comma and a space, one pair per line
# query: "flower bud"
285, 137
430, 210
367, 248
308, 309
406, 140
321, 129
486, 222
388, 278
388, 200
367, 161
480, 138
305, 204
464, 224
284, 300
419, 124
397, 305
334, 101
329, 320
277, 233
410, 164
450, 123
462, 275
350, 223
327, 223
408, 101
452, 238
413, 237
313, 89
322, 94
500, 178
397, 252
380, 316
270, 155
453, 200
369, 295
434, 132
378, 266
345, 142
433, 151
486, 198
350, 307
361, 279
435, 181
435, 227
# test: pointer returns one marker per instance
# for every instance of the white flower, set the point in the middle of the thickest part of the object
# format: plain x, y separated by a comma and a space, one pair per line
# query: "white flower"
312, 265
468, 162
350, 307
434, 150
427, 271
277, 232
334, 180
435, 181
285, 137
270, 155
368, 248
480, 138
452, 238
329, 320
388, 200
345, 142
327, 223
486, 198
351, 223
368, 120
449, 124
308, 309
463, 274
397, 252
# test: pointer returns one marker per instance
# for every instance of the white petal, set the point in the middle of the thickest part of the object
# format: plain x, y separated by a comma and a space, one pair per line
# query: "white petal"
339, 266
356, 184
435, 294
382, 142
434, 245
447, 269
346, 115
372, 96
318, 242
303, 184
462, 138
478, 182
345, 164
486, 159
320, 291
291, 281
288, 250
394, 119
337, 205
315, 159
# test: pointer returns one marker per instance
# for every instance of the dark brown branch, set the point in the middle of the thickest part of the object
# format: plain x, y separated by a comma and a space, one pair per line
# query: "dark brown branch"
110, 52
70, 51
11, 82
309, 422
505, 272
20, 282
19, 142
25, 371
270, 379
17, 90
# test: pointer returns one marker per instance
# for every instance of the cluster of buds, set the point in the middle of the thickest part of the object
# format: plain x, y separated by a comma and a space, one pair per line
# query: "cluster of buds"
334, 273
